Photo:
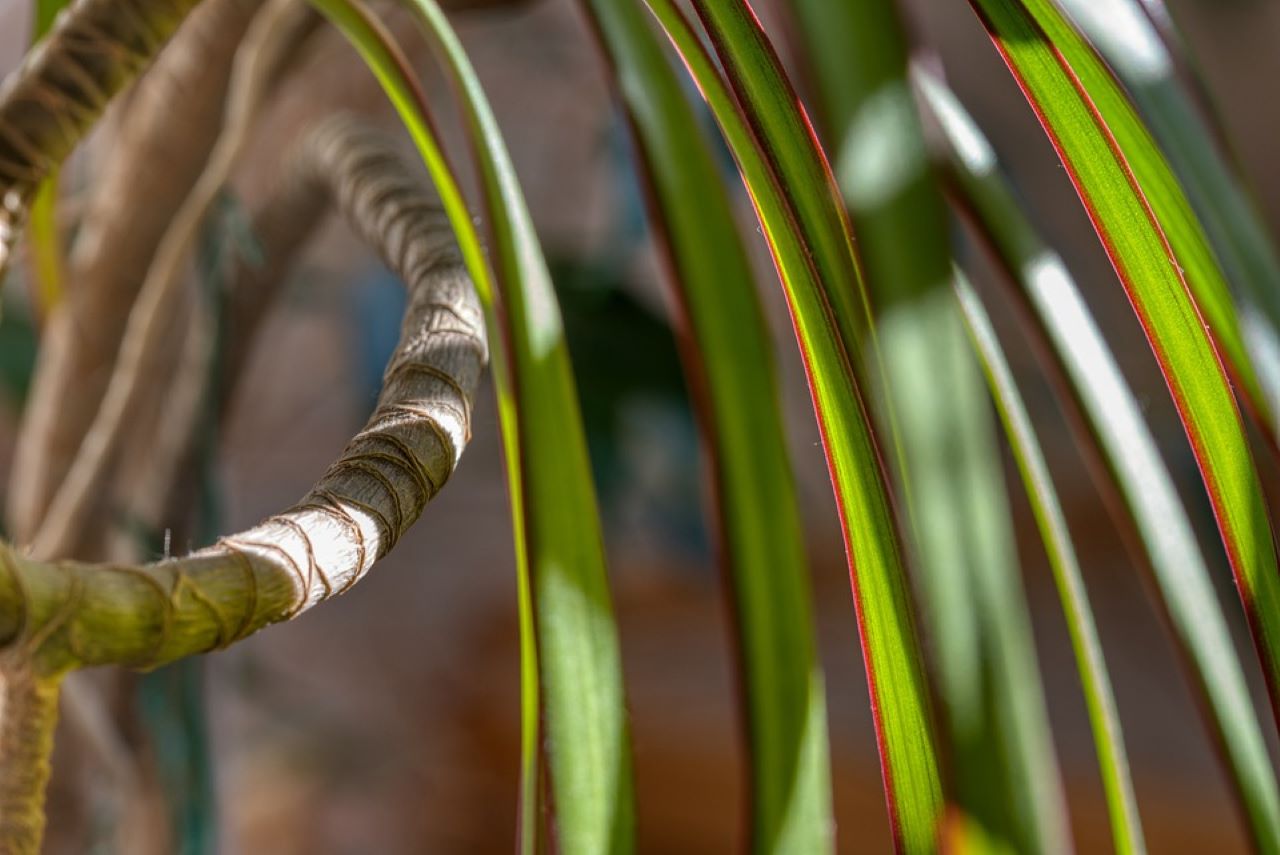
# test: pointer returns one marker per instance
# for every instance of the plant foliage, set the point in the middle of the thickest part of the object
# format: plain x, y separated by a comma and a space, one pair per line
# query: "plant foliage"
856, 203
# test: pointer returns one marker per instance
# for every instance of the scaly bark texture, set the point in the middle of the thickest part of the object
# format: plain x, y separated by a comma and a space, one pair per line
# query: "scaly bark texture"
152, 406
56, 616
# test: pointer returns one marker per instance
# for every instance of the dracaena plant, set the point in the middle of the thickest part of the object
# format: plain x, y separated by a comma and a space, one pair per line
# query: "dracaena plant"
910, 386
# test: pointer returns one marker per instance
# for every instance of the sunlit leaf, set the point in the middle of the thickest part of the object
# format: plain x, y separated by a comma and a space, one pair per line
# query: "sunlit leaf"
1059, 315
1055, 69
1113, 761
1005, 774
763, 542
895, 673
1128, 40
573, 664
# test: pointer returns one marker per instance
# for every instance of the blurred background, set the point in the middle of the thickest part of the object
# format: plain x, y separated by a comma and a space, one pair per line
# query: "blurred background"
387, 721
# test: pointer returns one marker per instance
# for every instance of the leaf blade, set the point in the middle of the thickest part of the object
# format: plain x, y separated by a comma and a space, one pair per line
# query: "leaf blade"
1004, 773
762, 540
561, 584
1122, 440
1036, 42
1104, 718
578, 647
895, 672
1121, 32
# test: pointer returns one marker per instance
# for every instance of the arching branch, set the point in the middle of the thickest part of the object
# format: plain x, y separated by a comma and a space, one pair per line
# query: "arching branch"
56, 616
69, 614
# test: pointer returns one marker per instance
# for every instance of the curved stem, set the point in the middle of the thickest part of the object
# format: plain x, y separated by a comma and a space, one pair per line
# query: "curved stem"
59, 616
70, 614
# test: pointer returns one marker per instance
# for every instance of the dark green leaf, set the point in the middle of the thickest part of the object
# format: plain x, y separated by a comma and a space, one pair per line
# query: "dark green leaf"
790, 805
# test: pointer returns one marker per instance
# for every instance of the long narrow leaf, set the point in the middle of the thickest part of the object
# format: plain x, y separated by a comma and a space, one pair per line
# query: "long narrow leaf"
579, 655
1150, 172
558, 541
42, 227
45, 247
895, 674
763, 542
791, 149
1061, 317
1113, 761
1004, 773
1050, 62
1133, 48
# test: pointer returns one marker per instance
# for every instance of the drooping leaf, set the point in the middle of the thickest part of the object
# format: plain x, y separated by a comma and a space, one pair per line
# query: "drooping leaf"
1004, 774
1150, 251
1130, 43
1146, 169
763, 542
45, 247
42, 225
1059, 315
569, 646
1104, 719
804, 245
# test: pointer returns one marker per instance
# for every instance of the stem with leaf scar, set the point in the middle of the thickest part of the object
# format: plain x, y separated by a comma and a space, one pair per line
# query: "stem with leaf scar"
58, 616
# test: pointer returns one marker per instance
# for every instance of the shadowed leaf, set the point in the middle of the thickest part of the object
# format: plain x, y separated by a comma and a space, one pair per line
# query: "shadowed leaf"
730, 368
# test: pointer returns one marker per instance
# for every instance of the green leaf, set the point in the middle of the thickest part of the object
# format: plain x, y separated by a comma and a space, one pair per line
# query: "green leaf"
1052, 64
578, 650
786, 137
1058, 314
43, 14
1113, 762
1127, 39
1005, 776
573, 664
731, 369
1168, 205
871, 127
45, 246
1004, 773
42, 225
895, 673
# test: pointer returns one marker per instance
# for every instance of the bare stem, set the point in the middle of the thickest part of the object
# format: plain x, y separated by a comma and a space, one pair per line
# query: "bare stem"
70, 614
28, 713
